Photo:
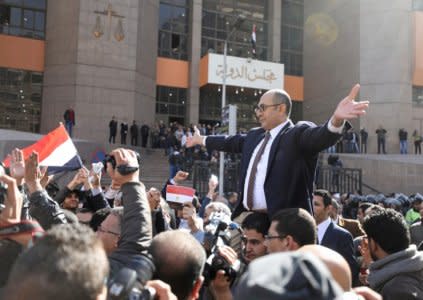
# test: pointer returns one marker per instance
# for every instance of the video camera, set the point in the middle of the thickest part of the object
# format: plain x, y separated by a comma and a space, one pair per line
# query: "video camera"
123, 169
219, 232
129, 284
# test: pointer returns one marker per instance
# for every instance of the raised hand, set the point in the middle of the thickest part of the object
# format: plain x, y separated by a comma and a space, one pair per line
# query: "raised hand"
195, 139
17, 165
80, 177
123, 157
180, 176
13, 202
96, 178
348, 108
33, 173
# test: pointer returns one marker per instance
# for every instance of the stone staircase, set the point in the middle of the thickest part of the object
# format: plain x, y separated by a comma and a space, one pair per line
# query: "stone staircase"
154, 168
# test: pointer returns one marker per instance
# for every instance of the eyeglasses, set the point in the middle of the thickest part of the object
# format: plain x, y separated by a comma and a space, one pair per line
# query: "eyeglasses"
100, 229
262, 107
270, 237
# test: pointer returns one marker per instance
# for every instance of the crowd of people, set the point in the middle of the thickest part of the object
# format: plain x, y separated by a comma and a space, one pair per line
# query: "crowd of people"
277, 237
70, 242
356, 141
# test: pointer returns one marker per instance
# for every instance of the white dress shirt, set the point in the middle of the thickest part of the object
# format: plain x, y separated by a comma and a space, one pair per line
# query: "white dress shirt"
259, 198
321, 229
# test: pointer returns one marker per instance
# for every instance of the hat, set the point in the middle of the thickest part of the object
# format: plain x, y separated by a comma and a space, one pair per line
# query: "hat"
288, 276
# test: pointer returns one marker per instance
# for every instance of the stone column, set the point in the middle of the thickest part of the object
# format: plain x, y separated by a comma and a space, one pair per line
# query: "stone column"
275, 25
194, 54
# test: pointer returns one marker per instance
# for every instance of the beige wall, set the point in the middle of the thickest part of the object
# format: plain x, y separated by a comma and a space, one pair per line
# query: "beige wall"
101, 77
373, 46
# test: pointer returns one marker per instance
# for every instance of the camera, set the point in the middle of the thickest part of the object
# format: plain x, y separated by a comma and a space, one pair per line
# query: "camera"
123, 169
129, 284
219, 232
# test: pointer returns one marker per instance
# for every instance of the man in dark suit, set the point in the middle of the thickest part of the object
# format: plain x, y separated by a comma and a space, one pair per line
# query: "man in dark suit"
331, 235
279, 159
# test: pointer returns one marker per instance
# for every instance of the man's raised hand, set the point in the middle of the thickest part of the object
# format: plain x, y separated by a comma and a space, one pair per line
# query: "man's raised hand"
348, 108
195, 139
17, 165
33, 174
180, 177
123, 157
13, 202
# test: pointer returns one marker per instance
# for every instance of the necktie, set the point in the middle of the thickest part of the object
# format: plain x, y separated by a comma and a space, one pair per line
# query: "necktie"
252, 179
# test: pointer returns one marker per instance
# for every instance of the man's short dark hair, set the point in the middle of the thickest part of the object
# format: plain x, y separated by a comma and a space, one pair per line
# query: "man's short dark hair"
327, 197
179, 260
364, 206
388, 229
257, 221
282, 97
75, 192
98, 217
67, 263
298, 223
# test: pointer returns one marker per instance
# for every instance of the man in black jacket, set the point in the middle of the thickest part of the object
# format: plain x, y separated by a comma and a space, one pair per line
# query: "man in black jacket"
397, 270
134, 133
112, 130
145, 130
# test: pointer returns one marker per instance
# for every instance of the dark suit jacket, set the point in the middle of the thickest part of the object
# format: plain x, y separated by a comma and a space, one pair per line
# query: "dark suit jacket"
292, 162
352, 226
340, 240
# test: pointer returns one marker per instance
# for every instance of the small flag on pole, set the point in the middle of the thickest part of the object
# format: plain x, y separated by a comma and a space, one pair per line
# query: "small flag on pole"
253, 41
179, 194
55, 151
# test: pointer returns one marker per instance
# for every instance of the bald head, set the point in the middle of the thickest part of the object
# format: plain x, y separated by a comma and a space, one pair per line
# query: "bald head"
334, 261
280, 96
179, 260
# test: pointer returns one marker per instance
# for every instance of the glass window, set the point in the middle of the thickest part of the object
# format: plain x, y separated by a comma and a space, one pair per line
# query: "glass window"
23, 18
15, 16
171, 101
40, 4
218, 19
418, 95
173, 31
20, 99
39, 21
292, 36
11, 2
28, 19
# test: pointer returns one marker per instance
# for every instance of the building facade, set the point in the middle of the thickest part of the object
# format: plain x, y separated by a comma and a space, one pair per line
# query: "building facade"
375, 43
141, 60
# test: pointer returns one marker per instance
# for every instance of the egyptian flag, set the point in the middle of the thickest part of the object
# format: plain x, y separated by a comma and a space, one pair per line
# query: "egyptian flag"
55, 151
179, 194
253, 41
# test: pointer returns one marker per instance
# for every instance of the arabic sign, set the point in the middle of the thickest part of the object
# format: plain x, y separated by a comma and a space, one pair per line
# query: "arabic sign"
245, 72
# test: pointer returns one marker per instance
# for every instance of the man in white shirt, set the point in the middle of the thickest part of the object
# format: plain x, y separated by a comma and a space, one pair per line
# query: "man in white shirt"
279, 159
331, 235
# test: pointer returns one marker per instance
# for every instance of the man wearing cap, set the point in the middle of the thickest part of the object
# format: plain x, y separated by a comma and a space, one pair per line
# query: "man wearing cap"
279, 158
